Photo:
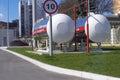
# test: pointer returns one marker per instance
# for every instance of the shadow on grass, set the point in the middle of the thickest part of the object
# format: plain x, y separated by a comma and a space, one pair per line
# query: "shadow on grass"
111, 48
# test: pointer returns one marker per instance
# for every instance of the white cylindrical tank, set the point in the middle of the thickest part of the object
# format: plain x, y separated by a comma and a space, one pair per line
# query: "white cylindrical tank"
99, 28
62, 28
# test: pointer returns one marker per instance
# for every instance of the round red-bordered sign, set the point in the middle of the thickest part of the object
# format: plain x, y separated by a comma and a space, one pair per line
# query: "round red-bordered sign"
50, 6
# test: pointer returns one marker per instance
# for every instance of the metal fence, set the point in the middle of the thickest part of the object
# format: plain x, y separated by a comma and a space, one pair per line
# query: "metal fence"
114, 38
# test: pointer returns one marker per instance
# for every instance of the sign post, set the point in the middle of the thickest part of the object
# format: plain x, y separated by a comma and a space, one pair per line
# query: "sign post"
50, 7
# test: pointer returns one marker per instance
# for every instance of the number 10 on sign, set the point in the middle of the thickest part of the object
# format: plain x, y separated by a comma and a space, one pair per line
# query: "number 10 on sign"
50, 6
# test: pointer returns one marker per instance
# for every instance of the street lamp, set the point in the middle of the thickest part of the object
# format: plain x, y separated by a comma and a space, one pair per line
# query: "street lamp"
33, 21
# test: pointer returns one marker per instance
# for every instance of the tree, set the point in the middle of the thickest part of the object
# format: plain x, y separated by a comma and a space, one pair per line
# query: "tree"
96, 6
92, 6
81, 10
65, 5
103, 6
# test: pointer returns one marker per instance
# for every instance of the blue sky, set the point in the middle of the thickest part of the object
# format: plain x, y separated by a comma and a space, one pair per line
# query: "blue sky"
13, 9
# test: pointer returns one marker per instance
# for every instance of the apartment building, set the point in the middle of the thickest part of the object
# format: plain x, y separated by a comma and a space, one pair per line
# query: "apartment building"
29, 11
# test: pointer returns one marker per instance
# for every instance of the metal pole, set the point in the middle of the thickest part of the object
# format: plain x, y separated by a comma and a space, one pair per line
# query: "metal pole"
33, 20
87, 13
8, 25
2, 36
75, 28
88, 7
50, 38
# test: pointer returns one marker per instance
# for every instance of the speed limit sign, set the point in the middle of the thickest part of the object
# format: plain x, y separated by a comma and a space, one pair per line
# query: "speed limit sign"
50, 6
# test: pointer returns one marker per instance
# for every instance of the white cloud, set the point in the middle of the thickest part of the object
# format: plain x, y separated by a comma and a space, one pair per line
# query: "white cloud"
1, 15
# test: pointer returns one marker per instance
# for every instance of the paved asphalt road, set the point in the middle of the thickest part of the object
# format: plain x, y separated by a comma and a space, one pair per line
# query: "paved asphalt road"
15, 68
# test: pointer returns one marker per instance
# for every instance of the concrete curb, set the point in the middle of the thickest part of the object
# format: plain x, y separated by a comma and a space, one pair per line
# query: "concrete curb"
63, 70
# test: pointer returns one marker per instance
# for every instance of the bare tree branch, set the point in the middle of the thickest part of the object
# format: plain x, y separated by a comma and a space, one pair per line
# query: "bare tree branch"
101, 6
104, 6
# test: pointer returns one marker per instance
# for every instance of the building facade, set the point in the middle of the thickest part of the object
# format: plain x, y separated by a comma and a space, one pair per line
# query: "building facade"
29, 12
25, 18
12, 32
3, 36
116, 6
38, 11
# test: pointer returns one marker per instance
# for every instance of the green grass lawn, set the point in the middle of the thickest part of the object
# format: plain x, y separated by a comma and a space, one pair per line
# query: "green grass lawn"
102, 63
